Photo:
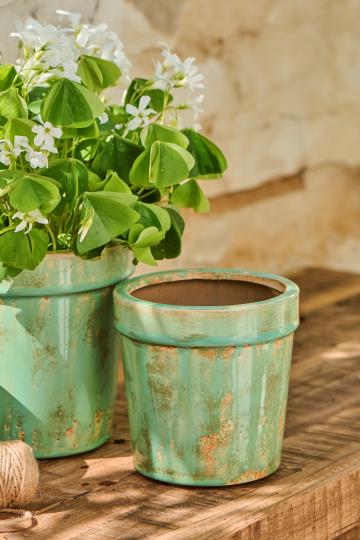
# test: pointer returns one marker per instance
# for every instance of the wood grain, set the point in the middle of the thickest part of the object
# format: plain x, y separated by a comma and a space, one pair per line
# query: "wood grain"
315, 495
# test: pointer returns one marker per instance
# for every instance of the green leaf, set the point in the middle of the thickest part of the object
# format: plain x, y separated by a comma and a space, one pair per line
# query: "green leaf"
36, 97
30, 192
23, 251
19, 126
116, 154
86, 150
134, 233
140, 171
12, 105
69, 104
97, 73
115, 184
105, 215
170, 246
144, 255
7, 75
95, 182
149, 237
153, 216
169, 164
88, 132
142, 87
209, 160
164, 164
158, 132
72, 176
190, 195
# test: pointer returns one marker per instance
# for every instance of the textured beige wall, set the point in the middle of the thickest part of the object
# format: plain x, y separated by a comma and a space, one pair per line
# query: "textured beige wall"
282, 99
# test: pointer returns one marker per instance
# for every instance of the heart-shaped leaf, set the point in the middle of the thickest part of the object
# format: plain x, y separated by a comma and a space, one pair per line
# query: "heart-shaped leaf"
105, 215
12, 105
190, 195
169, 164
73, 180
209, 160
30, 192
70, 104
24, 251
7, 75
170, 246
97, 73
158, 132
116, 154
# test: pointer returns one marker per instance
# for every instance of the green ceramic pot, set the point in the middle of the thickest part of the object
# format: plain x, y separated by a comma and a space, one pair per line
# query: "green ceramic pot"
207, 356
59, 353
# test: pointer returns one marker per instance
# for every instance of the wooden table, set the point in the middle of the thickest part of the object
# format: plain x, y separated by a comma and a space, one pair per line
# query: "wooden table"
314, 495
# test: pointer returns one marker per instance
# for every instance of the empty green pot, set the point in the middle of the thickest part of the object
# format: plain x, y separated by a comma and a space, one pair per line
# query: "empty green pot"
59, 353
207, 356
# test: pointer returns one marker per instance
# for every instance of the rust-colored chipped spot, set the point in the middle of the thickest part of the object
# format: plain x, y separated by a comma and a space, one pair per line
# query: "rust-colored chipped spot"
226, 400
210, 353
71, 430
162, 392
249, 476
227, 353
208, 445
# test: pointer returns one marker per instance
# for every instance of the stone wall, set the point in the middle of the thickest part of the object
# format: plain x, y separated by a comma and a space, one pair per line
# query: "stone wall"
283, 101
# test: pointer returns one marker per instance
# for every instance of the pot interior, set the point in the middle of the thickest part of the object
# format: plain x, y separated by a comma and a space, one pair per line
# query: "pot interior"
208, 292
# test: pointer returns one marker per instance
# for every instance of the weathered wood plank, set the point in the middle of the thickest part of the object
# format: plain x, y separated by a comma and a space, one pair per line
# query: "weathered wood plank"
314, 495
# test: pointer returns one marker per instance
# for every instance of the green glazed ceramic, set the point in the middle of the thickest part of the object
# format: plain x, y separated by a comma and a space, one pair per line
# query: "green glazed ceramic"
59, 353
207, 357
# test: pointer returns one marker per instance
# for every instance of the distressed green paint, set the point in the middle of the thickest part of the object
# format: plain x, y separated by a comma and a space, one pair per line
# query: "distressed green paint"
207, 386
59, 354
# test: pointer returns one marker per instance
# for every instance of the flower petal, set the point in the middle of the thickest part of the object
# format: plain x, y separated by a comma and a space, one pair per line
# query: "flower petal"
130, 109
134, 123
144, 102
22, 225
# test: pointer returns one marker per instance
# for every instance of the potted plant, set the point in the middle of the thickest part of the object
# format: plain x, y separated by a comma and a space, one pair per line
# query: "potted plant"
87, 188
207, 356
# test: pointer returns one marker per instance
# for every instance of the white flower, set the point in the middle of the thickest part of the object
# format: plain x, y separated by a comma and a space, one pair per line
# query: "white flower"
99, 41
28, 219
34, 35
20, 142
171, 60
37, 159
140, 114
188, 75
46, 134
5, 154
103, 118
50, 52
173, 72
163, 78
9, 151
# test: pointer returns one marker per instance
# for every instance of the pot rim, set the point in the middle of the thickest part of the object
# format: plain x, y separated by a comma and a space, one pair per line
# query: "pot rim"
288, 289
64, 272
204, 326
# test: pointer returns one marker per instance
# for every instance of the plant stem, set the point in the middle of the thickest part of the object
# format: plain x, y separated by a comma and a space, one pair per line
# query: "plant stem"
53, 239
8, 229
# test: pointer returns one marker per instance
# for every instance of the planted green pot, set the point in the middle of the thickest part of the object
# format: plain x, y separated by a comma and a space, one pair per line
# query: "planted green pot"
207, 356
59, 353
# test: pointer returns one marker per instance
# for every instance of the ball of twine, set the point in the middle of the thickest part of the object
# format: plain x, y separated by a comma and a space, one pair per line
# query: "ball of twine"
19, 474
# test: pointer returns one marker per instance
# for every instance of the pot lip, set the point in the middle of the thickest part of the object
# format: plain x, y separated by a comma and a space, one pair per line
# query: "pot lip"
124, 290
62, 273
